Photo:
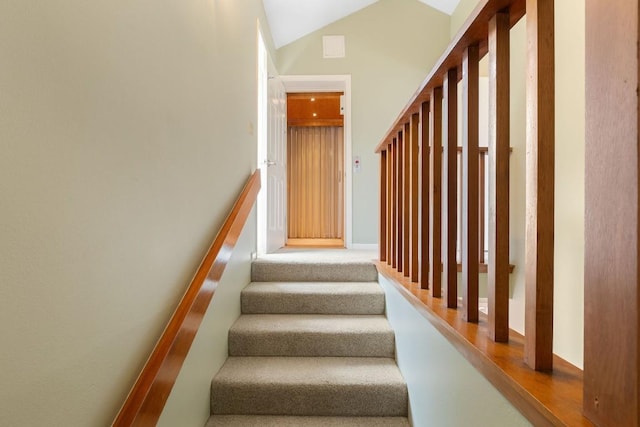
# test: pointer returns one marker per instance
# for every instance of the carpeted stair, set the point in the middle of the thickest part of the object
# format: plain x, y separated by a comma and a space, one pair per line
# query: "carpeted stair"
312, 348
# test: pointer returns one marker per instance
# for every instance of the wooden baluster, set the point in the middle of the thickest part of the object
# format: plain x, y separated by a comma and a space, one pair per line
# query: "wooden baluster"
383, 206
459, 240
470, 182
450, 191
482, 174
539, 185
415, 199
406, 194
498, 268
435, 226
400, 201
389, 201
394, 202
424, 197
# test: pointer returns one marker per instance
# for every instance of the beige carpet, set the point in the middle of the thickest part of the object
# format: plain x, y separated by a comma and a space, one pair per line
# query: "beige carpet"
312, 347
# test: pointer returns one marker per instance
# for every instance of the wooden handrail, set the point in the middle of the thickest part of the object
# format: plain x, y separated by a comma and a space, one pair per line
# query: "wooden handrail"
149, 394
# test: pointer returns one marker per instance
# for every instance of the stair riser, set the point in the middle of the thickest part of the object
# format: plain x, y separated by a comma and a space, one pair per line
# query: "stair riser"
312, 344
312, 304
293, 421
283, 272
317, 400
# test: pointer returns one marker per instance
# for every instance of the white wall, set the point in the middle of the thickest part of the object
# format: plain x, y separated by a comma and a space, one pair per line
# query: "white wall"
569, 167
126, 132
390, 48
444, 388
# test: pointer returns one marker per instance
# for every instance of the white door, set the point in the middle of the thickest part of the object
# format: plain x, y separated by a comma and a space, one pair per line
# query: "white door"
275, 162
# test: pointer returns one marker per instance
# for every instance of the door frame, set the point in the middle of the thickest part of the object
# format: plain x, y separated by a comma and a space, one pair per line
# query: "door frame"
332, 83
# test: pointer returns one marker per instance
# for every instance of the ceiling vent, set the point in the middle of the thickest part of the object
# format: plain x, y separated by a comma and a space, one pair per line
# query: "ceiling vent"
333, 46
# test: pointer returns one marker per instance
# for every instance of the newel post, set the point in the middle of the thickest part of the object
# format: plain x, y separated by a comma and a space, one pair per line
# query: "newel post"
612, 215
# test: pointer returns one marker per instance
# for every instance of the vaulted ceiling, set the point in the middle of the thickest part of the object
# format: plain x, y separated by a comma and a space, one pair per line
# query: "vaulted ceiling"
291, 19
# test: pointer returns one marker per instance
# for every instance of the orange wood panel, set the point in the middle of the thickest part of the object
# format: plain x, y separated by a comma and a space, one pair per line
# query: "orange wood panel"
415, 195
612, 215
149, 394
424, 196
435, 225
383, 207
315, 243
498, 268
400, 201
406, 194
314, 109
450, 191
543, 398
470, 183
390, 201
539, 185
394, 202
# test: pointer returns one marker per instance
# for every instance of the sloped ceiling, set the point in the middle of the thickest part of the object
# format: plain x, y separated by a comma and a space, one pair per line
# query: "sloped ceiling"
290, 20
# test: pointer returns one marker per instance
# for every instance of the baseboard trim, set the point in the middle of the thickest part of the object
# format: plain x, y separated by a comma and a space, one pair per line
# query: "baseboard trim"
364, 246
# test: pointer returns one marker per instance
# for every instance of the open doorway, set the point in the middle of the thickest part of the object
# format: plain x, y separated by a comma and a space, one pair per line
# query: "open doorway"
315, 169
336, 178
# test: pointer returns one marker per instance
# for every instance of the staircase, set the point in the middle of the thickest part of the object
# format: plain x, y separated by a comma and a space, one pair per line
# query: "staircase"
312, 348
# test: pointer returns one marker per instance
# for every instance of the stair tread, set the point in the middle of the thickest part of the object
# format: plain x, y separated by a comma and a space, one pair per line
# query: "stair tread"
336, 270
312, 335
313, 297
276, 371
320, 386
311, 323
300, 421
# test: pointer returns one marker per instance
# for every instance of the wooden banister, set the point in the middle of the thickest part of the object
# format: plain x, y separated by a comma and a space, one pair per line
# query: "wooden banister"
480, 180
147, 398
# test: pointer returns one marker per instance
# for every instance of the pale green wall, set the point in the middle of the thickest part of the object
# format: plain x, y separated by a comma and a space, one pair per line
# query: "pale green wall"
444, 388
124, 139
569, 188
460, 15
189, 403
390, 47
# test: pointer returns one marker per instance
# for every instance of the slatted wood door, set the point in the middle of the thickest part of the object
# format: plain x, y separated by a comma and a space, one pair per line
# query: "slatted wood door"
315, 185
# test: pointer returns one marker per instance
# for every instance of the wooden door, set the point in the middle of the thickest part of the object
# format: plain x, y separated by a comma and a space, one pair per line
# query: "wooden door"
315, 193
